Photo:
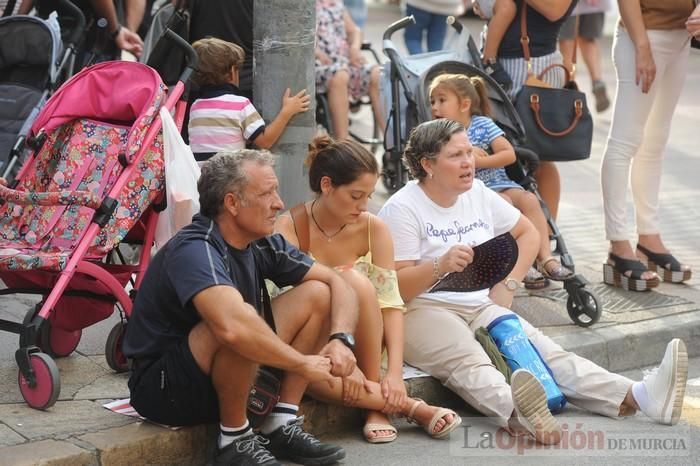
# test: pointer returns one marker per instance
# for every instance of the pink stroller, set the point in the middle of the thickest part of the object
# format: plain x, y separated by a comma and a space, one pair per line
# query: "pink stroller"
95, 179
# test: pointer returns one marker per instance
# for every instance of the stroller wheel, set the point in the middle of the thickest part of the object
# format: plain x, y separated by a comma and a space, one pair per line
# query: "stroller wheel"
583, 307
389, 181
45, 391
113, 348
394, 173
55, 341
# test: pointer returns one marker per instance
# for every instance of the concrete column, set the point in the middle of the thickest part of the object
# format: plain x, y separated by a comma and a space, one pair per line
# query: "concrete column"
283, 51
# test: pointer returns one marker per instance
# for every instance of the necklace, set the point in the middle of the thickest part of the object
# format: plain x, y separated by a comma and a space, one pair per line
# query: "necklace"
328, 237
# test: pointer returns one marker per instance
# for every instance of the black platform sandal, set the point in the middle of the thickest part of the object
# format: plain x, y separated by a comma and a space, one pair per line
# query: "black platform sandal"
614, 271
665, 265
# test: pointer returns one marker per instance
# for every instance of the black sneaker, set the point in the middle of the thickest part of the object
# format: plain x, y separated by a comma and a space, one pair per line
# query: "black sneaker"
249, 450
498, 74
292, 443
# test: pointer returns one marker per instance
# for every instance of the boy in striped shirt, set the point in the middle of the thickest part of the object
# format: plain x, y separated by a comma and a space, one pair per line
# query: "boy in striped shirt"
223, 120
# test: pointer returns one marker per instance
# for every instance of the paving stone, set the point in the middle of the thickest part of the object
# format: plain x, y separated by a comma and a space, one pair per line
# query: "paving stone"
64, 419
78, 372
47, 453
110, 385
321, 418
541, 311
145, 443
9, 388
9, 437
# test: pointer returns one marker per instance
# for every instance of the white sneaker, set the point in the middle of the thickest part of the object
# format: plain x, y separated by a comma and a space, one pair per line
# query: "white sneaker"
530, 403
665, 385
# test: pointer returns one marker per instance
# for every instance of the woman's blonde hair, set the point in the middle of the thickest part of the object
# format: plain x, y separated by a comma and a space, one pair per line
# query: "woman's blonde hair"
216, 57
472, 88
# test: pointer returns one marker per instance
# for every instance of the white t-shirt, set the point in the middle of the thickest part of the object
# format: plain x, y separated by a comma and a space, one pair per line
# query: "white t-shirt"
422, 230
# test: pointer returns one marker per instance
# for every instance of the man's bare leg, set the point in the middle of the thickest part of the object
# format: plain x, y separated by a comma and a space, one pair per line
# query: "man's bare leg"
232, 375
302, 319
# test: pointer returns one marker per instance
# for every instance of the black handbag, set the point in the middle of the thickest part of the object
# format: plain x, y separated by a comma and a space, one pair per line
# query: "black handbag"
493, 261
558, 125
695, 43
265, 392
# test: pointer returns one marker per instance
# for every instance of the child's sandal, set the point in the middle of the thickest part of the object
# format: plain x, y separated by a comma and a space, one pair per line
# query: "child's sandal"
665, 265
615, 273
534, 280
558, 273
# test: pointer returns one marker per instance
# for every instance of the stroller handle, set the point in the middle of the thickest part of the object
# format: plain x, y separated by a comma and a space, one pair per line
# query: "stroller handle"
456, 25
189, 52
397, 25
73, 11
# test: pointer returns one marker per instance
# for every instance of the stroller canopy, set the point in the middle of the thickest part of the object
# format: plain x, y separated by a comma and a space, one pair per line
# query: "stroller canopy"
116, 92
28, 41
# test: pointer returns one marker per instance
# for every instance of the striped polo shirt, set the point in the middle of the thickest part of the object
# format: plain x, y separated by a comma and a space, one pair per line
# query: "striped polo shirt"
220, 119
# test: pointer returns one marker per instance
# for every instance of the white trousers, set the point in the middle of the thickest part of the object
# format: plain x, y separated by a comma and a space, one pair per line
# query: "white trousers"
440, 341
639, 130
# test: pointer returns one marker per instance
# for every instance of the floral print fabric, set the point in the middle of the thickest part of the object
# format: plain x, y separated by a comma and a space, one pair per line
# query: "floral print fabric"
331, 38
79, 161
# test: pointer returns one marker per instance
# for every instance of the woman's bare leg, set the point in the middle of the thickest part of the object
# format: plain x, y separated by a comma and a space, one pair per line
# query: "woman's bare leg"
549, 186
375, 401
338, 103
368, 336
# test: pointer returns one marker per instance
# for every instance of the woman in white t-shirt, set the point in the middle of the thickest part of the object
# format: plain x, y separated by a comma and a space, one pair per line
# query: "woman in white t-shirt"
434, 222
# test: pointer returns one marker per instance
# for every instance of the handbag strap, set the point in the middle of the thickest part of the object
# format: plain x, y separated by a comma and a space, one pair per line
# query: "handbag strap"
267, 305
535, 106
300, 219
9, 8
525, 44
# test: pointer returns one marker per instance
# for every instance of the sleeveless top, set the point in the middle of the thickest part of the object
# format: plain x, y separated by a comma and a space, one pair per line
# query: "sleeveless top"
385, 281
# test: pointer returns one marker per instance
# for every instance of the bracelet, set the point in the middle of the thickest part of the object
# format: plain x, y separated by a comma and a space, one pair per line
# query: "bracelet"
436, 269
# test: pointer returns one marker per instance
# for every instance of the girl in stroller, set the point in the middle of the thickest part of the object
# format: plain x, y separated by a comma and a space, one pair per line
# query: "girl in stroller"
465, 99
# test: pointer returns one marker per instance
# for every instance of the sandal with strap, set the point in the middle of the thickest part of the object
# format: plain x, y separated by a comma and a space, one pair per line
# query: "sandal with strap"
615, 273
534, 280
558, 273
665, 265
377, 427
439, 414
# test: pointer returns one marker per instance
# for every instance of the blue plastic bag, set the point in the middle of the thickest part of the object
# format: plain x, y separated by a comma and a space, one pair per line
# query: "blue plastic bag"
520, 353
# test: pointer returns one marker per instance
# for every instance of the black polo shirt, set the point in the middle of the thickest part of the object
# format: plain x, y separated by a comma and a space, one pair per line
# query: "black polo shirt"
196, 258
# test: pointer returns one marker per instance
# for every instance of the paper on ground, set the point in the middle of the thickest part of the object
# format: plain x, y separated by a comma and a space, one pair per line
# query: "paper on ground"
125, 408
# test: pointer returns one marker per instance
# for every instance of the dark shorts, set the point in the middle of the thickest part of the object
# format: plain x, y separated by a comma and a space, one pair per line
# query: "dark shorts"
173, 390
590, 26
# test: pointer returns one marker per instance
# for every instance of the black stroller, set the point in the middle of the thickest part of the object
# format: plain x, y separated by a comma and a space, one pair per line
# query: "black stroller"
33, 63
409, 81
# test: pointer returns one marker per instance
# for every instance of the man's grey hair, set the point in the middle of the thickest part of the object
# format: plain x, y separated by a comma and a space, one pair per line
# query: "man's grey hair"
425, 142
223, 174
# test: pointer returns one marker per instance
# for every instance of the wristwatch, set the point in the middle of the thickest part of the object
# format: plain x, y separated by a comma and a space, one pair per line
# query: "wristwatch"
511, 284
346, 338
113, 35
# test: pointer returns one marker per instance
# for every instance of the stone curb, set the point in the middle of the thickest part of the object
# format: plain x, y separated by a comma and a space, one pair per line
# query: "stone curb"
619, 347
